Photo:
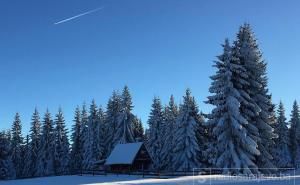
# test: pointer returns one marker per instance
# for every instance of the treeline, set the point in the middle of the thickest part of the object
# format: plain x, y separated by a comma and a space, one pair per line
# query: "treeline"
46, 150
242, 134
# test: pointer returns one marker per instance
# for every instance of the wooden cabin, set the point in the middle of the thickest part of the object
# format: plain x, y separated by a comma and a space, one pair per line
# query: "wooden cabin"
130, 157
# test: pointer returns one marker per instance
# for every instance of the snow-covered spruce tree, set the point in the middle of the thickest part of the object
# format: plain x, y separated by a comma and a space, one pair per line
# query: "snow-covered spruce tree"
281, 153
236, 149
101, 135
47, 148
138, 130
294, 133
124, 131
155, 136
84, 132
256, 107
111, 120
170, 116
272, 121
26, 157
16, 145
35, 137
248, 107
7, 169
186, 149
88, 156
93, 138
76, 140
61, 150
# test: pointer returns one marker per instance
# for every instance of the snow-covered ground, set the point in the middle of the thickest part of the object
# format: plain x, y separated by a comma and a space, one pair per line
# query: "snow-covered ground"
132, 180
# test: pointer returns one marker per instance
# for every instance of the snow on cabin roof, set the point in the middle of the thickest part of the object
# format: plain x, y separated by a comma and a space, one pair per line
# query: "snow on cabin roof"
123, 153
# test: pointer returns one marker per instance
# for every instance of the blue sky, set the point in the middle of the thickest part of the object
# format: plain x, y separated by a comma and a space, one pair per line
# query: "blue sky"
156, 47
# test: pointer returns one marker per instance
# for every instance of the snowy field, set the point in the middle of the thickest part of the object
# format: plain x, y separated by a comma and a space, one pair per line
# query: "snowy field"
125, 179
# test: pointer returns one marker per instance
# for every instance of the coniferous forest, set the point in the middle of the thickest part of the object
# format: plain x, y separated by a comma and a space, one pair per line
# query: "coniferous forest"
245, 132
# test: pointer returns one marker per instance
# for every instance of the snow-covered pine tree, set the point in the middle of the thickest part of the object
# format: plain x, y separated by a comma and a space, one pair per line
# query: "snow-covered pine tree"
26, 158
236, 149
273, 123
7, 169
170, 116
61, 149
124, 131
155, 136
272, 120
47, 148
76, 140
88, 156
138, 130
186, 149
294, 133
101, 136
93, 142
111, 120
16, 145
281, 153
85, 136
35, 137
256, 107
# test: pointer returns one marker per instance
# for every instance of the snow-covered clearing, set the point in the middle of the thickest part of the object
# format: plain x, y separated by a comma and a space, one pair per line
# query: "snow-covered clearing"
125, 179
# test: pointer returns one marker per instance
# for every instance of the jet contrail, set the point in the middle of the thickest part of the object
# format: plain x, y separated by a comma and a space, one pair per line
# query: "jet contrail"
76, 16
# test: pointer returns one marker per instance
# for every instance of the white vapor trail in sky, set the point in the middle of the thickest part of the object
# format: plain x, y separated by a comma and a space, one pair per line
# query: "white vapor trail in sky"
76, 16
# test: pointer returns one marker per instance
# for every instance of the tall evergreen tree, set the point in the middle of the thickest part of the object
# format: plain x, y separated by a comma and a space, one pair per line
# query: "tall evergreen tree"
294, 133
16, 145
111, 120
46, 151
155, 140
281, 153
186, 149
101, 135
88, 157
93, 142
61, 152
7, 169
26, 158
85, 136
35, 136
236, 148
77, 141
256, 108
170, 116
124, 131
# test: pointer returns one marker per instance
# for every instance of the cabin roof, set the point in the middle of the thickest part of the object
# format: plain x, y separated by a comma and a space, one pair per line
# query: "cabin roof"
124, 153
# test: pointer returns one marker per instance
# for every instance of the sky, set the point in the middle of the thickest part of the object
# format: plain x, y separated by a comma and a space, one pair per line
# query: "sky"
156, 47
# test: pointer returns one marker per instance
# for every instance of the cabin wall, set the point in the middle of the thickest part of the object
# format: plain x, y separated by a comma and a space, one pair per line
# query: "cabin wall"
136, 166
